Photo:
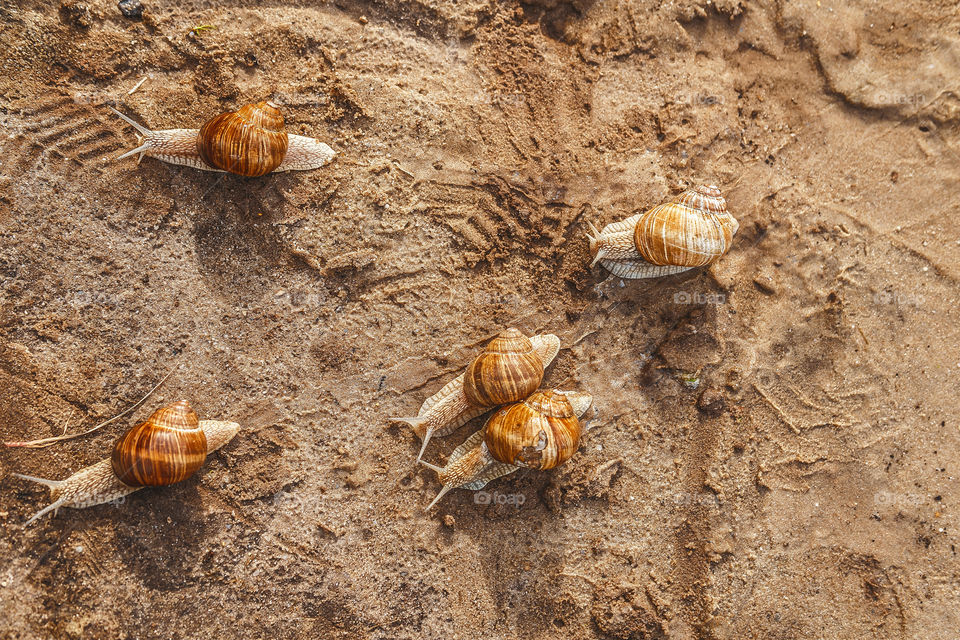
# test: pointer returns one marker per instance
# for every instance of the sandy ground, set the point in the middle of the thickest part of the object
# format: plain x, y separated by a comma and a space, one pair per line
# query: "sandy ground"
775, 447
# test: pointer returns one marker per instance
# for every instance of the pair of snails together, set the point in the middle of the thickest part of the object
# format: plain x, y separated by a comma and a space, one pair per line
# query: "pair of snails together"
532, 429
166, 448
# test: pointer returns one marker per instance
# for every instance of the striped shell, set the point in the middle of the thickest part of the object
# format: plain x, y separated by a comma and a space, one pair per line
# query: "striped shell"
508, 370
98, 483
248, 142
692, 230
541, 432
169, 447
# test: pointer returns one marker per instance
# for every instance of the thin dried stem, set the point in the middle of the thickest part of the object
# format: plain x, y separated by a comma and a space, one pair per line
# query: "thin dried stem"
46, 442
66, 425
137, 86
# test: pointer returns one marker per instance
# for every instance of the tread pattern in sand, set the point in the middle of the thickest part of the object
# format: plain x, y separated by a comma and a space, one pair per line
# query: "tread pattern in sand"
57, 132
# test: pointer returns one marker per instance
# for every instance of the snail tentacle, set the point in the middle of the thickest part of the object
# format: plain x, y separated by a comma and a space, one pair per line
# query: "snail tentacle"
54, 485
443, 417
174, 146
443, 491
593, 237
51, 484
470, 466
142, 134
53, 506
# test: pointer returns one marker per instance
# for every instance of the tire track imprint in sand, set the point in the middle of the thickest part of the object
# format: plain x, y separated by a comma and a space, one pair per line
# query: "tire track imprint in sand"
56, 130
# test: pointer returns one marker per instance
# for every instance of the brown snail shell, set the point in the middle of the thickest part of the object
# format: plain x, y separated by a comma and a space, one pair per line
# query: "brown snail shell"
541, 432
691, 230
98, 483
248, 142
166, 448
508, 370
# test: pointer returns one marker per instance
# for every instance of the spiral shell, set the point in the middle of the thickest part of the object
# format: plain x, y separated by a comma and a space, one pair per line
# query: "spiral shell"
541, 432
249, 142
692, 230
167, 448
182, 147
508, 370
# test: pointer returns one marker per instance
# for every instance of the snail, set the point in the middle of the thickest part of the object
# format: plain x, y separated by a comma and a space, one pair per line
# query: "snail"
509, 369
541, 432
249, 142
167, 448
691, 230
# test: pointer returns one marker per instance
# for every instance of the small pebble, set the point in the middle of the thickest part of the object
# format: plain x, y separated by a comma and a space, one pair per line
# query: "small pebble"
711, 402
131, 8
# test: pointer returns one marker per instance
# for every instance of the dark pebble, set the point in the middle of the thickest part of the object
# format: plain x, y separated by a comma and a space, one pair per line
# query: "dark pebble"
131, 8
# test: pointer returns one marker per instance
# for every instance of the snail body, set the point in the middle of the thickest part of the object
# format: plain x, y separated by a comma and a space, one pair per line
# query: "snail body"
541, 432
509, 369
691, 230
249, 142
100, 482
